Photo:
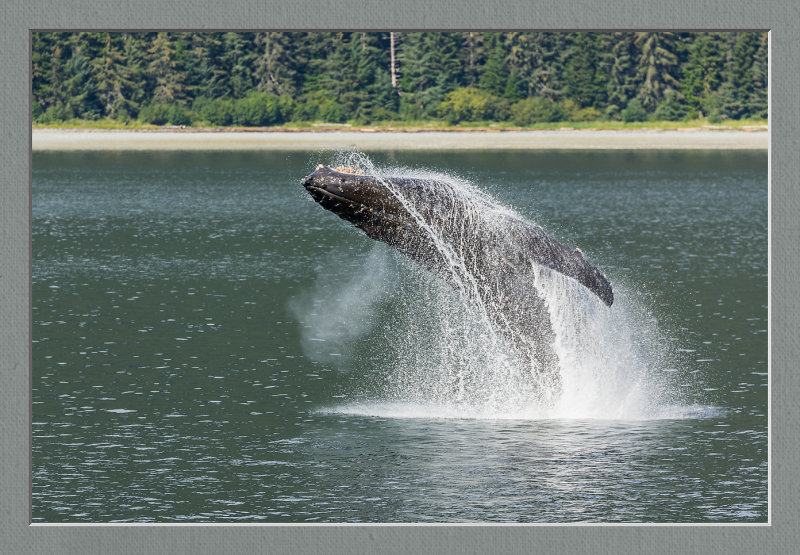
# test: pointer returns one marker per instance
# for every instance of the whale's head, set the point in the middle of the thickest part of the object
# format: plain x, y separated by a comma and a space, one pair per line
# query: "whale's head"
366, 201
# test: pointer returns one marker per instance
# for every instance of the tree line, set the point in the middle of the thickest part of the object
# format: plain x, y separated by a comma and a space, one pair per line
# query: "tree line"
270, 78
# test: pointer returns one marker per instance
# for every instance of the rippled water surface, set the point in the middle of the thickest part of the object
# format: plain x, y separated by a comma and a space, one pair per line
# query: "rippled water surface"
211, 346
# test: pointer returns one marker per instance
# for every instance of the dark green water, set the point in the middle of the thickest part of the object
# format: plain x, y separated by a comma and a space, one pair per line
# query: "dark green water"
210, 345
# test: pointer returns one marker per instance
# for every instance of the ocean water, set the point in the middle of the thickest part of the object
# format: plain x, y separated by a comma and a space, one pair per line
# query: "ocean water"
212, 346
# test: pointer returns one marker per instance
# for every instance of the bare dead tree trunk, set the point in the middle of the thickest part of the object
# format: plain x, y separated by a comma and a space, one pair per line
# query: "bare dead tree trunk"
393, 68
471, 54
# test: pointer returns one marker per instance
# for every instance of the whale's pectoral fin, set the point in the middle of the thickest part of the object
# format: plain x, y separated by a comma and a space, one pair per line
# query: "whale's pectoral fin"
549, 253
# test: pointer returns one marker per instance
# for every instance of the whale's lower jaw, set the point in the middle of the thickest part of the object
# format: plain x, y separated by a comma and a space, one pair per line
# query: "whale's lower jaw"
336, 203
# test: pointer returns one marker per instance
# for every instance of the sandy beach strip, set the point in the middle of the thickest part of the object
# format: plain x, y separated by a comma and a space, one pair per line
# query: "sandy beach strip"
689, 139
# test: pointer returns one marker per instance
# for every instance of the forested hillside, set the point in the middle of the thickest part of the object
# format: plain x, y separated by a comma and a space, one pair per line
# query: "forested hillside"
270, 78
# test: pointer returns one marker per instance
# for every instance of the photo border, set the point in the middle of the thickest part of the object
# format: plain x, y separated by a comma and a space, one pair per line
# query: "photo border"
18, 536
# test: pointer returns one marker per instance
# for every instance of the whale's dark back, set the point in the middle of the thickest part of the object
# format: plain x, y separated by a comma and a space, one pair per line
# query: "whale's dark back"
432, 200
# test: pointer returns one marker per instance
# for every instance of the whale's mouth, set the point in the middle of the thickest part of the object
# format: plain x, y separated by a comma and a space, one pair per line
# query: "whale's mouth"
326, 197
338, 202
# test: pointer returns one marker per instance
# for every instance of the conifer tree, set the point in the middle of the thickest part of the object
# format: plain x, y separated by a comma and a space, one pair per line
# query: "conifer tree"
237, 63
704, 69
514, 89
495, 72
757, 103
557, 45
274, 65
111, 77
49, 72
621, 73
41, 48
204, 68
430, 69
657, 64
78, 87
473, 53
585, 84
372, 78
164, 69
743, 74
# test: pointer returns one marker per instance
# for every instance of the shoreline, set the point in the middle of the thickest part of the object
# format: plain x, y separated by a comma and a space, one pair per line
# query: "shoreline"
371, 140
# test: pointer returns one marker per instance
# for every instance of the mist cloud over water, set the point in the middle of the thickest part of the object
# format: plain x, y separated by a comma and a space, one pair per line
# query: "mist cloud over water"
334, 316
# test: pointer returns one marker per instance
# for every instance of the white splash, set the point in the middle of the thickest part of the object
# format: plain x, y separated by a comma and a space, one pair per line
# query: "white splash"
449, 361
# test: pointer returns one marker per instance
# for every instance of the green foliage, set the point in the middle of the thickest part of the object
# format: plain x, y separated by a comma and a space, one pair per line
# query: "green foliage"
410, 109
670, 108
179, 115
536, 110
56, 114
495, 74
166, 71
585, 81
590, 113
514, 89
471, 104
36, 111
430, 69
569, 110
704, 69
266, 78
634, 111
275, 63
286, 107
215, 111
157, 114
330, 112
256, 109
319, 106
165, 114
621, 85
658, 63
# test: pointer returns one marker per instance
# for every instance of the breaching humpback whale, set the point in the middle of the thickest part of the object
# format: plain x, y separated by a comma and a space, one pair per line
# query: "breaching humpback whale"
484, 250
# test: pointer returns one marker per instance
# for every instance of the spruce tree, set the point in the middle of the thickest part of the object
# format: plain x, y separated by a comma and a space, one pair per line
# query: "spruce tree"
743, 74
621, 74
430, 69
495, 72
528, 56
657, 64
111, 77
757, 103
205, 67
163, 67
237, 62
274, 66
514, 89
81, 100
473, 55
703, 72
584, 83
